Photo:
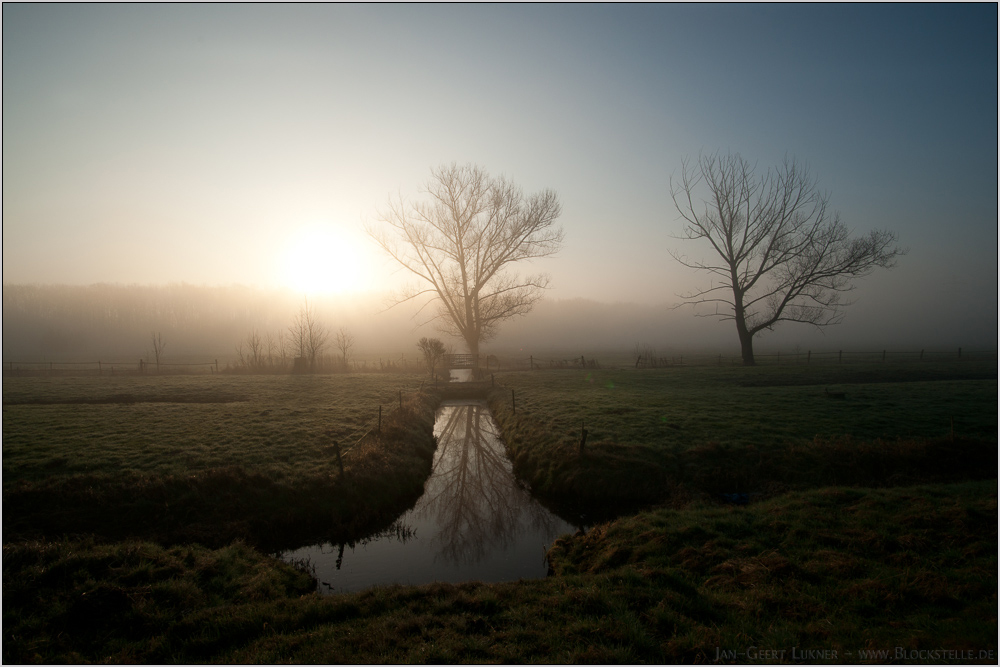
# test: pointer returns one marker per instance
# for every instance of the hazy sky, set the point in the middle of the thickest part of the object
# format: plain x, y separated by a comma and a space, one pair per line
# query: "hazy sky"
201, 143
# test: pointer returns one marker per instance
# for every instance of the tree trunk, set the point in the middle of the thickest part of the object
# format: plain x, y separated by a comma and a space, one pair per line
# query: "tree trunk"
746, 337
473, 344
746, 343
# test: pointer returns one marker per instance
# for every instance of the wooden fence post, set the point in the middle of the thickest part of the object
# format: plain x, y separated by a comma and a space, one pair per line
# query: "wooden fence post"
921, 355
380, 418
531, 360
959, 353
583, 437
99, 371
883, 355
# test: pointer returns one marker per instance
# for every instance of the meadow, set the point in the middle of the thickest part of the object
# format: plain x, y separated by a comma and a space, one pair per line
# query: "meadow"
211, 459
869, 521
686, 433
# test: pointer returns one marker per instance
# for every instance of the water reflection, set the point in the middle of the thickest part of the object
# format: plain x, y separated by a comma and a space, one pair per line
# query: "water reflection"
473, 522
473, 496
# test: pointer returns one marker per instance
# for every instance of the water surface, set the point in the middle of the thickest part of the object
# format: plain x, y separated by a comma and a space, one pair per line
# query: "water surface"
473, 522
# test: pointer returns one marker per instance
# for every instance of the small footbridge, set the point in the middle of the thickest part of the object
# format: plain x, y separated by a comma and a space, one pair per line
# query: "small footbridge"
452, 361
469, 389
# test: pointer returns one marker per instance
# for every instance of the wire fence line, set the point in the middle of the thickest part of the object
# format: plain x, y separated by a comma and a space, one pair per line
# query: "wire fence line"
372, 428
110, 368
645, 357
640, 359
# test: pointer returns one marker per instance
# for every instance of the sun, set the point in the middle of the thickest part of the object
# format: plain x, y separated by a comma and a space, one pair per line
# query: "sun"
322, 259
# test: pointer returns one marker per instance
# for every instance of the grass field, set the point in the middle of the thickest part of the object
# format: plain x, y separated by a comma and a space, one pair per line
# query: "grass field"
55, 427
679, 407
209, 459
874, 527
682, 432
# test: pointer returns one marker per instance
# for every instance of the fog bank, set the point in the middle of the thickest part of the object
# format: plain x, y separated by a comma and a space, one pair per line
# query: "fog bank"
197, 323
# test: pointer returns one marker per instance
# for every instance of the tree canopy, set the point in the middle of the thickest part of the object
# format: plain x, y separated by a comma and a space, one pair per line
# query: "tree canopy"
778, 254
462, 241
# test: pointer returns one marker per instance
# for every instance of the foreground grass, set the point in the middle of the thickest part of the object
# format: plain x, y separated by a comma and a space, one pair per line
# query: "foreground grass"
836, 569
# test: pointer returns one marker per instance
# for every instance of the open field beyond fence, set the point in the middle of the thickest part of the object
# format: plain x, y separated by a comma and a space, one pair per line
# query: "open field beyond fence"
643, 357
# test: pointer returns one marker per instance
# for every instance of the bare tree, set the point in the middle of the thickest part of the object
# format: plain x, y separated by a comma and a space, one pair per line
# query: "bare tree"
460, 245
433, 350
308, 335
271, 345
780, 256
158, 346
255, 350
345, 341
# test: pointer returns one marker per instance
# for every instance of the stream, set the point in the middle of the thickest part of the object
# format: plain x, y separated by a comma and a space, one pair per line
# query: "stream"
474, 521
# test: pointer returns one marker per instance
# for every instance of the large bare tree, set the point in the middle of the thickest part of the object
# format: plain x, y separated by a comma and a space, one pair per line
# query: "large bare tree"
461, 244
778, 253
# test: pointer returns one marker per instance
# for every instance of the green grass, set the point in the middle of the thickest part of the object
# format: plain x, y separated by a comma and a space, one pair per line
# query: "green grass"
833, 569
182, 424
681, 433
136, 511
262, 469
681, 407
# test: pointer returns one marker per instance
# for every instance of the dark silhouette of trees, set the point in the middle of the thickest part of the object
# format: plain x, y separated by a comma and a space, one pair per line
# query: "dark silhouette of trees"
433, 350
462, 242
308, 336
779, 255
158, 347
345, 341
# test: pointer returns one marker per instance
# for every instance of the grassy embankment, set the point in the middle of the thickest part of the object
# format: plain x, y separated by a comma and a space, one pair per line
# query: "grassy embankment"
682, 434
209, 459
837, 569
844, 569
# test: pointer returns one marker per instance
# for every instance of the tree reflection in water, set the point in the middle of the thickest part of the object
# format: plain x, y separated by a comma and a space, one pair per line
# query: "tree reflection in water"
472, 494
473, 522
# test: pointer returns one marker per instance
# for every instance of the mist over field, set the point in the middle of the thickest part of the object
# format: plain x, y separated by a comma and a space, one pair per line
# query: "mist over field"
198, 323
169, 147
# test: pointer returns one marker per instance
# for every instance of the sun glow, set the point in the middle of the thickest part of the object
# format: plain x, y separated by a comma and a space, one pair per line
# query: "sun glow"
321, 259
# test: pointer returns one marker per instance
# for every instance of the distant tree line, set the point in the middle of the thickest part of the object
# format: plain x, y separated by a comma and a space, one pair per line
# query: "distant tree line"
300, 348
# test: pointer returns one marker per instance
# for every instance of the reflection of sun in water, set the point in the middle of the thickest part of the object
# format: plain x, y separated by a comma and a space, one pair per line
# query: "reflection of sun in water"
320, 259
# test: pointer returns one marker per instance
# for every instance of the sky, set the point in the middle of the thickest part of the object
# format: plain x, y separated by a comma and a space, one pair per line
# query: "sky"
242, 144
